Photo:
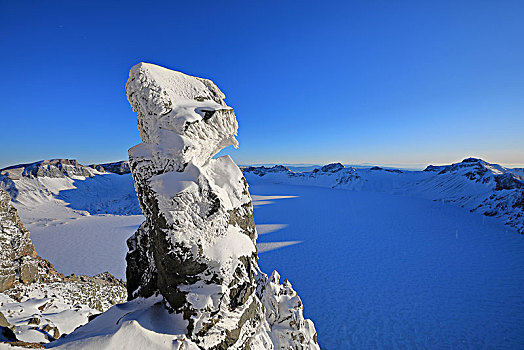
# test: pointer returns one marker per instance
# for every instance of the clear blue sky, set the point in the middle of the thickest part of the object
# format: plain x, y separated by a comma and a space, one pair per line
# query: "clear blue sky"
310, 81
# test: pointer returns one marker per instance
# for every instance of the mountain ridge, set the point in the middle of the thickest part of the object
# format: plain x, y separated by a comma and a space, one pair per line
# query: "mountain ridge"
473, 183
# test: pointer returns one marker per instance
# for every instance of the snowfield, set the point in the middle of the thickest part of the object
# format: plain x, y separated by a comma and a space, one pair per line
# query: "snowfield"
81, 225
381, 258
382, 271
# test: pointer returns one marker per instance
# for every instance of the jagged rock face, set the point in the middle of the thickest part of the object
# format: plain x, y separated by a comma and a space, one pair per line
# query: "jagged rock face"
283, 309
30, 286
197, 245
17, 253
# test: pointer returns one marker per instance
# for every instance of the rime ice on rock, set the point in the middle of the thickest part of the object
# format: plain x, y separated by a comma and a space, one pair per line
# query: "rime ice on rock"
197, 246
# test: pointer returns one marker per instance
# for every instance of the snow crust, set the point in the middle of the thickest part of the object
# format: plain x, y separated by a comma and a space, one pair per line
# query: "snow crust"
378, 270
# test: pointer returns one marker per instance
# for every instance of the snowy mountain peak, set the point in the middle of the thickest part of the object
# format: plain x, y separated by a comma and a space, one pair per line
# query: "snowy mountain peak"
262, 170
54, 168
332, 168
469, 164
120, 168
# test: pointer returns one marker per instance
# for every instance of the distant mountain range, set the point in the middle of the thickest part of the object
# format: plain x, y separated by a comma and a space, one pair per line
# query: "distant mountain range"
108, 188
473, 184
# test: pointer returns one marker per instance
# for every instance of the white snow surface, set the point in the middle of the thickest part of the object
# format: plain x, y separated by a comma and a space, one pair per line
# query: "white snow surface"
140, 324
61, 305
473, 184
391, 271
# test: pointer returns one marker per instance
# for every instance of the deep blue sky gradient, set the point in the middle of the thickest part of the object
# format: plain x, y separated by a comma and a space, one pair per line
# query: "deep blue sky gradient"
311, 82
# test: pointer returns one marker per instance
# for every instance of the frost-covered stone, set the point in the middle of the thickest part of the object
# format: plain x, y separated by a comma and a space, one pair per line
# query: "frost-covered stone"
197, 246
18, 261
283, 312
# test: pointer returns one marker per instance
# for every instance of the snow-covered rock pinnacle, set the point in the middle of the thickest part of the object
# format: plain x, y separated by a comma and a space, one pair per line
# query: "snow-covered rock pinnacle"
196, 248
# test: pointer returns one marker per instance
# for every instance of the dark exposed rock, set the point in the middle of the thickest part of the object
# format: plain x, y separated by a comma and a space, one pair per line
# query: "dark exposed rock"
332, 168
52, 332
120, 168
18, 258
3, 321
7, 335
508, 181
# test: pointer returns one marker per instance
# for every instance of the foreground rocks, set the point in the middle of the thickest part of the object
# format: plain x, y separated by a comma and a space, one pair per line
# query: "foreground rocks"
37, 303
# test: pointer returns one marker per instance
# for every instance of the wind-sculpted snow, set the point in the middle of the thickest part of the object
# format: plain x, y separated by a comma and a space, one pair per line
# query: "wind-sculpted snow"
193, 262
473, 184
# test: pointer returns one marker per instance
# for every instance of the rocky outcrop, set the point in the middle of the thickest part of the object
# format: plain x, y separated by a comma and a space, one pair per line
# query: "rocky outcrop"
18, 258
262, 170
196, 248
94, 189
120, 168
332, 168
492, 190
57, 169
28, 282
